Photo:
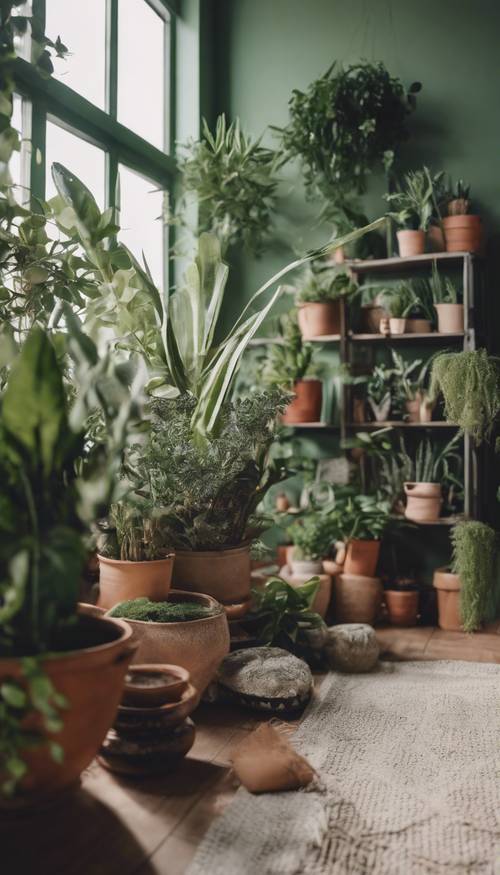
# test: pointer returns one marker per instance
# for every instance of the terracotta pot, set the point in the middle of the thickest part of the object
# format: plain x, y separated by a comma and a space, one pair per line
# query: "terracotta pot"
306, 568
362, 557
448, 600
166, 683
317, 319
463, 233
435, 239
306, 406
120, 581
331, 567
418, 326
397, 326
411, 243
423, 501
450, 318
197, 645
358, 599
413, 410
222, 574
323, 596
91, 680
402, 606
425, 410
370, 316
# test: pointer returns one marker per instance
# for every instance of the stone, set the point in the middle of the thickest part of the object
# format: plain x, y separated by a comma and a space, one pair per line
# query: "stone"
266, 679
352, 647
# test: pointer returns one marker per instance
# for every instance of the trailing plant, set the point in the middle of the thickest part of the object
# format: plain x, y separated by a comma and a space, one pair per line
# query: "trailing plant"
290, 360
235, 181
282, 616
311, 536
163, 612
323, 286
443, 290
470, 383
413, 205
474, 560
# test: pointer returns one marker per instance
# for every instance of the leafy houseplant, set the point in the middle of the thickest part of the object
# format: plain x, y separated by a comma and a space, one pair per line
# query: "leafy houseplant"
311, 537
360, 521
462, 231
318, 299
411, 394
470, 383
450, 311
413, 206
399, 300
379, 392
235, 181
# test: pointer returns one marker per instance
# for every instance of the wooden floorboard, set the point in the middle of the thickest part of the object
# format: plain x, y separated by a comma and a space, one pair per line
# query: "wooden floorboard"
113, 826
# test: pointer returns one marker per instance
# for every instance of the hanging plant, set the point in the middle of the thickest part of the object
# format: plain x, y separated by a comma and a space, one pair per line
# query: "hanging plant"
474, 550
347, 124
470, 383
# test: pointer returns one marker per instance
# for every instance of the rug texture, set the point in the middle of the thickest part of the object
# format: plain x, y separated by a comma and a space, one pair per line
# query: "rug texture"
407, 759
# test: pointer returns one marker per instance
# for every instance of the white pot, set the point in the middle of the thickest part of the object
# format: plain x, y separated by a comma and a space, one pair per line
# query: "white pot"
397, 326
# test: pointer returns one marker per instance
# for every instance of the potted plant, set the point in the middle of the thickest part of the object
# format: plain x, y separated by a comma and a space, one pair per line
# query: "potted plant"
134, 559
449, 312
470, 384
289, 364
401, 599
359, 521
430, 468
398, 300
421, 317
411, 392
311, 536
468, 592
319, 297
378, 390
413, 207
61, 672
462, 230
189, 629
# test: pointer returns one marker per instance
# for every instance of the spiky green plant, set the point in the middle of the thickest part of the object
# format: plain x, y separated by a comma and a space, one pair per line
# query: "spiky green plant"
443, 290
474, 560
326, 285
432, 462
470, 383
415, 203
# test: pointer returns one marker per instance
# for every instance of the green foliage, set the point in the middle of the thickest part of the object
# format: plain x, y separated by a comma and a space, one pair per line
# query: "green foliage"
470, 383
347, 124
312, 536
399, 300
443, 291
139, 535
324, 286
434, 464
234, 178
163, 612
358, 516
282, 615
290, 360
474, 560
415, 204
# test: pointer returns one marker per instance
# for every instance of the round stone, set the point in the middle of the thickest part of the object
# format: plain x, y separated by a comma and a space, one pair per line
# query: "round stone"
266, 678
352, 647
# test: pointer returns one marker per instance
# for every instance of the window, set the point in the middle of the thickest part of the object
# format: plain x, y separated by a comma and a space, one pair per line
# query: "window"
107, 109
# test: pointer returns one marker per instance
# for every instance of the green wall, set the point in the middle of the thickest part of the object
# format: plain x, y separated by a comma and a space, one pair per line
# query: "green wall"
265, 48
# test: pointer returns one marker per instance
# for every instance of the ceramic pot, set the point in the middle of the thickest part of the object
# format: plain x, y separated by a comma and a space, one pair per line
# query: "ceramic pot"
448, 600
317, 319
423, 501
362, 557
370, 316
402, 606
450, 318
397, 326
411, 243
413, 410
306, 567
222, 574
149, 686
357, 599
306, 406
197, 645
90, 676
463, 233
418, 326
435, 239
121, 581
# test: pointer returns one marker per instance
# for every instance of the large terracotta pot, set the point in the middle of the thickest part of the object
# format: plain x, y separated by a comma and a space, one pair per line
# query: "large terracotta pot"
197, 645
418, 326
222, 574
448, 600
463, 233
306, 406
402, 606
120, 581
362, 557
450, 318
423, 501
319, 318
411, 243
90, 676
357, 598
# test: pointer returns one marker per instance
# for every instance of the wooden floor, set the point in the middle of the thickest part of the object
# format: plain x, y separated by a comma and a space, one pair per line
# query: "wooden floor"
112, 826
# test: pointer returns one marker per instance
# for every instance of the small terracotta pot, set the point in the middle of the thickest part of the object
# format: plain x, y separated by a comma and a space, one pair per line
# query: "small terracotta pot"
435, 239
423, 501
362, 557
463, 233
411, 243
197, 645
222, 574
397, 326
418, 326
413, 410
358, 599
448, 600
306, 406
450, 318
317, 319
120, 581
91, 680
402, 606
165, 683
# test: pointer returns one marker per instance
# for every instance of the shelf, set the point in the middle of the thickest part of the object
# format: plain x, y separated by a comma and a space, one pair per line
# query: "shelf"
392, 265
369, 426
325, 338
442, 521
410, 337
324, 426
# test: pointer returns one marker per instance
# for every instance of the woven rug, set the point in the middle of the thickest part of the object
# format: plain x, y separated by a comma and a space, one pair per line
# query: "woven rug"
407, 759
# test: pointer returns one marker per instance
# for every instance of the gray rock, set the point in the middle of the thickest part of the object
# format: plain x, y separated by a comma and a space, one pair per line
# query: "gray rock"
352, 647
267, 679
